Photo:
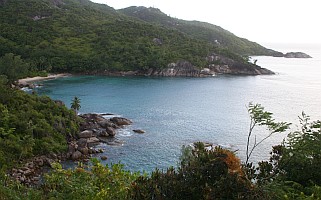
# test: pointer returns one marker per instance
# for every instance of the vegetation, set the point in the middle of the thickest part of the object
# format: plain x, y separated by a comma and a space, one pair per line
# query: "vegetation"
32, 125
75, 104
201, 31
81, 36
202, 174
259, 117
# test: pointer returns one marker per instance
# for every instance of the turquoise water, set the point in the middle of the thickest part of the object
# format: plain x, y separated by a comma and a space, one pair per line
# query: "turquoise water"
180, 111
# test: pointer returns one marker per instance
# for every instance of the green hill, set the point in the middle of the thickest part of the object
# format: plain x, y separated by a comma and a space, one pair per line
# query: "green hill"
200, 30
81, 36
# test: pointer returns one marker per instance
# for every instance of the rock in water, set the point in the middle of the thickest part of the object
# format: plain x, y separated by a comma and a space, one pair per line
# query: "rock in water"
103, 157
120, 121
139, 131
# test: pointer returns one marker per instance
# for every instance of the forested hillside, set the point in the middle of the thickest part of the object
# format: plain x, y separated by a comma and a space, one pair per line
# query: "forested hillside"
200, 30
81, 36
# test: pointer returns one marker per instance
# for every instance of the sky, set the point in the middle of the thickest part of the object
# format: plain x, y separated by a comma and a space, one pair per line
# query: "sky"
262, 21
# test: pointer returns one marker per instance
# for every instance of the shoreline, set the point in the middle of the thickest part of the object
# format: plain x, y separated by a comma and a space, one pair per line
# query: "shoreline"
30, 80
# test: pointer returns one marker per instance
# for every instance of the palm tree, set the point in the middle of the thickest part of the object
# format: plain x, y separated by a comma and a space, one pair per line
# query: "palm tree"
75, 104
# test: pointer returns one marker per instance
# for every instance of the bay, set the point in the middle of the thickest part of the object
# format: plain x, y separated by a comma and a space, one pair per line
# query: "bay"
179, 111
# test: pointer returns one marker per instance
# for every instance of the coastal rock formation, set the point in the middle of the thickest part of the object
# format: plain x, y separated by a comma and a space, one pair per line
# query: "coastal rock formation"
30, 172
181, 68
219, 65
296, 55
85, 134
93, 130
120, 121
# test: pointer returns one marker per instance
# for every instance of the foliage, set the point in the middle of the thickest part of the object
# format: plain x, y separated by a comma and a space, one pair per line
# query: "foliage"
32, 125
293, 169
301, 153
81, 36
11, 191
75, 104
259, 117
13, 67
199, 30
203, 174
97, 182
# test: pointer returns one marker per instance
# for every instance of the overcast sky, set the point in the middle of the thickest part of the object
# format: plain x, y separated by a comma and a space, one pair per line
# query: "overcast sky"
262, 21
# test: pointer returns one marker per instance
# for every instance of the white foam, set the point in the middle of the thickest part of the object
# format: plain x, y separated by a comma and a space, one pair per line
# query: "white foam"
125, 133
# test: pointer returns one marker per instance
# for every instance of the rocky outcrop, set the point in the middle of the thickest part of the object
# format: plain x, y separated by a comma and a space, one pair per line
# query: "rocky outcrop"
224, 65
93, 130
120, 121
30, 172
181, 68
218, 65
296, 55
59, 103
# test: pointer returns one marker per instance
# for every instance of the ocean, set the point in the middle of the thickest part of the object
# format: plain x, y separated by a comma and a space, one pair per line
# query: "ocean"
179, 111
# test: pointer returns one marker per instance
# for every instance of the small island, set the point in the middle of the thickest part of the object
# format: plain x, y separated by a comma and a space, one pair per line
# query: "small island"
296, 55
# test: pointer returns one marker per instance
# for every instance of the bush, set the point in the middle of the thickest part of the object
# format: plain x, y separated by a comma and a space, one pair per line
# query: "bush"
203, 174
95, 182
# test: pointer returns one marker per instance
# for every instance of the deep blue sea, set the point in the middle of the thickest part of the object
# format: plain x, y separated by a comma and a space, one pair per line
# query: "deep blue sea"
179, 111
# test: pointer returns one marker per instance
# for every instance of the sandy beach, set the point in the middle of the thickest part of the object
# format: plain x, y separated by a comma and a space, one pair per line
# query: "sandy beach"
28, 80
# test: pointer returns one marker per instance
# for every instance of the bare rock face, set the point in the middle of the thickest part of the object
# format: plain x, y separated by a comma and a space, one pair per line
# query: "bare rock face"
181, 68
60, 103
92, 141
111, 132
157, 41
76, 155
120, 121
83, 150
85, 134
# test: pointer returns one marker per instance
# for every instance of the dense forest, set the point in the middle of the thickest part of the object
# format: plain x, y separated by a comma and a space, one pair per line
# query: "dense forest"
81, 36
200, 30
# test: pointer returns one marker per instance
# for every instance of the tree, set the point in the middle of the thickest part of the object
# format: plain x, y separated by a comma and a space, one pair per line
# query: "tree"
13, 67
259, 117
293, 170
300, 156
75, 104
